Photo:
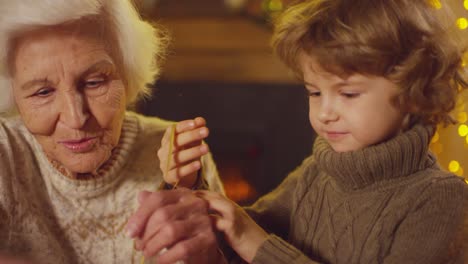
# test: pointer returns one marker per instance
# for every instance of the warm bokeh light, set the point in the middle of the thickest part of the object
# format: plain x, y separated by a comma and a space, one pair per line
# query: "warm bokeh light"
465, 4
462, 117
463, 130
272, 6
436, 4
454, 166
462, 23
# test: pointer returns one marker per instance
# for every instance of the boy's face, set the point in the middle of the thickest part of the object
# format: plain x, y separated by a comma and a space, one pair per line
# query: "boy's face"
350, 113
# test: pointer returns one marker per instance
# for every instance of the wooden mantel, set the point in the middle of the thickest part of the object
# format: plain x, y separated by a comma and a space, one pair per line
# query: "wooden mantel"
211, 44
221, 49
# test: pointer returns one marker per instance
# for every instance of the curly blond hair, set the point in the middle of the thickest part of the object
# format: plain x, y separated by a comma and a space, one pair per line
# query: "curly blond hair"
406, 41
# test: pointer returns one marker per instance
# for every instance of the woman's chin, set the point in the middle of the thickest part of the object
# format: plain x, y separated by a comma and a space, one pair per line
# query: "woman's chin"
84, 163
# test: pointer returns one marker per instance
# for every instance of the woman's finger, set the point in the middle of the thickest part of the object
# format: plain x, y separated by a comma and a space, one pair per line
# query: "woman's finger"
184, 209
182, 172
137, 222
175, 231
189, 124
166, 236
183, 140
193, 247
187, 155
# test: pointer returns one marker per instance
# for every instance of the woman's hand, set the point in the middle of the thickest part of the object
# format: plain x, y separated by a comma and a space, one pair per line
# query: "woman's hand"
175, 220
187, 149
240, 231
11, 260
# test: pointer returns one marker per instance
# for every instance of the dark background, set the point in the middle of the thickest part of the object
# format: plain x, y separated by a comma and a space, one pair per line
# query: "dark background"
258, 133
220, 66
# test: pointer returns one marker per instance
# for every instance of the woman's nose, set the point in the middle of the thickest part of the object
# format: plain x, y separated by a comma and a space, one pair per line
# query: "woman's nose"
74, 112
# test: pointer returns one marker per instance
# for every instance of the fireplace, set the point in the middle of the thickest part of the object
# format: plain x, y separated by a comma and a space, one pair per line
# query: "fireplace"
258, 132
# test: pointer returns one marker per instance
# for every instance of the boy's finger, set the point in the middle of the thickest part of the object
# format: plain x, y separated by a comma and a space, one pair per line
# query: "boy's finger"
218, 203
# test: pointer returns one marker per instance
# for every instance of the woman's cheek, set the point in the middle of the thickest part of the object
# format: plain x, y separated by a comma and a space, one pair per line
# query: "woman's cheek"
39, 120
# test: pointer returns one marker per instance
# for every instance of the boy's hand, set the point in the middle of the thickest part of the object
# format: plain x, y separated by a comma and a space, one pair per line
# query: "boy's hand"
240, 231
187, 149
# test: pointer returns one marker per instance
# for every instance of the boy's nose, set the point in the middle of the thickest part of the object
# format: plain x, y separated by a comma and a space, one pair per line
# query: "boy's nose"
327, 113
74, 111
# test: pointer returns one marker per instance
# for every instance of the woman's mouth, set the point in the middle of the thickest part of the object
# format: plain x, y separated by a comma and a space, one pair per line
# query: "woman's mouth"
80, 145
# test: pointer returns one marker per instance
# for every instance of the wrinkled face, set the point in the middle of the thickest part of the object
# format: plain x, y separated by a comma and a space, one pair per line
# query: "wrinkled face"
350, 113
69, 94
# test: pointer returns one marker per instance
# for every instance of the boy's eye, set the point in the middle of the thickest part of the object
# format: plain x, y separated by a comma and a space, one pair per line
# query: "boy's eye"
314, 94
350, 95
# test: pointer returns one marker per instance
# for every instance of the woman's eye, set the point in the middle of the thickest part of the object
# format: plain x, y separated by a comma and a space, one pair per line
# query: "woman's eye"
44, 92
94, 83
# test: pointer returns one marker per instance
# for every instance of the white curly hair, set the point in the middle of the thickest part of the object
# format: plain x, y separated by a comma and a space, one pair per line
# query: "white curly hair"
140, 45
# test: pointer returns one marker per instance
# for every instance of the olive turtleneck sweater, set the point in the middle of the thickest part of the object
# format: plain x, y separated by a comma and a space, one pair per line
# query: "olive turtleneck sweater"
388, 203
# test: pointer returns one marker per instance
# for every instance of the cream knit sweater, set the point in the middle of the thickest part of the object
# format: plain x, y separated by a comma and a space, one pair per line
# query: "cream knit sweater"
49, 218
388, 203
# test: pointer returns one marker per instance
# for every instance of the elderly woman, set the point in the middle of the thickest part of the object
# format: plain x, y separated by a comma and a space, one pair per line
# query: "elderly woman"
73, 161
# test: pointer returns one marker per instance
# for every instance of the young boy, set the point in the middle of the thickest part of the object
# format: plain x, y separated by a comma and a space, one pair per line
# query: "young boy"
380, 74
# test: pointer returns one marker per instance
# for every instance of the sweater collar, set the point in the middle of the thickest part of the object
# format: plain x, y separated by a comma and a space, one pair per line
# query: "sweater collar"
398, 157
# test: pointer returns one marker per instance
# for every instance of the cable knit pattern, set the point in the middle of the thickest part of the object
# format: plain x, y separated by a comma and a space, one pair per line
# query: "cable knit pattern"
51, 218
388, 203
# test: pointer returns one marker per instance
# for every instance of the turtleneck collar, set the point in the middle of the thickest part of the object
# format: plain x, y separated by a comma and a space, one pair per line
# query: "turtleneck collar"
400, 156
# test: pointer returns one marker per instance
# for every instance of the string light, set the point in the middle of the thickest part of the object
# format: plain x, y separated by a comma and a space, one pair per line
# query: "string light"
463, 130
272, 7
462, 23
444, 144
436, 4
454, 166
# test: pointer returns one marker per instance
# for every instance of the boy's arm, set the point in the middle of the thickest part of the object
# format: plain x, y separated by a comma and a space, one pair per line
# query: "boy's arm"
277, 251
436, 230
273, 211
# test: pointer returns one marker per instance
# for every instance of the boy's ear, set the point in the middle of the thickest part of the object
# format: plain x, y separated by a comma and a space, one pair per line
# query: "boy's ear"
412, 108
